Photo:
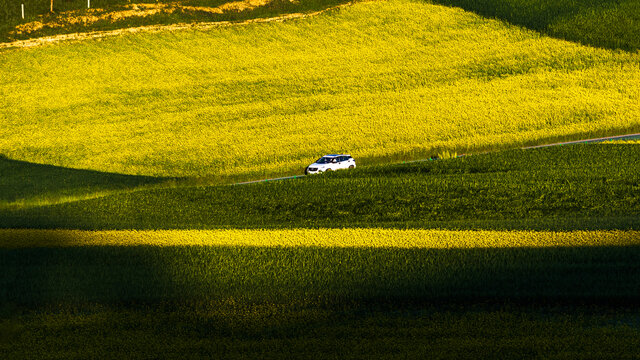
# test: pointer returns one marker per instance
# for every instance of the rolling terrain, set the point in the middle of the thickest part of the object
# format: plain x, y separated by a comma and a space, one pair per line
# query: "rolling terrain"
121, 236
520, 285
384, 81
609, 23
73, 16
24, 184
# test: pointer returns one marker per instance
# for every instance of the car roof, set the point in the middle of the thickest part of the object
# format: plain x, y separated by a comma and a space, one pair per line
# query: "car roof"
336, 155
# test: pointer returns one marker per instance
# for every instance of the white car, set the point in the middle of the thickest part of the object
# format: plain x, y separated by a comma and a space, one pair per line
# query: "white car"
330, 163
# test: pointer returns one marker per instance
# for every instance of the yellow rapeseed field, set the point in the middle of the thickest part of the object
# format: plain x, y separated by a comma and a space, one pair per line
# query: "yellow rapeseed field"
375, 238
384, 80
631, 142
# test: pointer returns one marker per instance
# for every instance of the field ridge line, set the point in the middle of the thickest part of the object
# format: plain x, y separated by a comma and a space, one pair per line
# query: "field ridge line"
29, 43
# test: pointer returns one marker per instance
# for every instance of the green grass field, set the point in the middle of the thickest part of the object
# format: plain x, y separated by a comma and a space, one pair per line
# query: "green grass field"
25, 184
394, 292
522, 253
564, 188
573, 267
348, 332
73, 295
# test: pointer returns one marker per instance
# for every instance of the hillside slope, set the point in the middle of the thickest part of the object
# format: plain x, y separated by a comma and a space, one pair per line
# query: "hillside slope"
383, 81
602, 23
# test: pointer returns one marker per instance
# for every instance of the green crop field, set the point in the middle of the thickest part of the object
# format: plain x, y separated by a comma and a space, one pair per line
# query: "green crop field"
394, 292
26, 184
569, 187
217, 293
122, 236
389, 293
314, 269
391, 331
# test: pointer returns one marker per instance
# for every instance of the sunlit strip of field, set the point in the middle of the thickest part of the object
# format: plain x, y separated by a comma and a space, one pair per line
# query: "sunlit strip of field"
372, 238
630, 142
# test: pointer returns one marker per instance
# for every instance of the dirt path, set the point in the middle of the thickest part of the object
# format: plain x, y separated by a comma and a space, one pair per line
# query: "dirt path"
159, 28
627, 137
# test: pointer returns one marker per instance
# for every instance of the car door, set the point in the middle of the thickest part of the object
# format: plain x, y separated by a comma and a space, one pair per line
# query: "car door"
335, 164
350, 162
347, 162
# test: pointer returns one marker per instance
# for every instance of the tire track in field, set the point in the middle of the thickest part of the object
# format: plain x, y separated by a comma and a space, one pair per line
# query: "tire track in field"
29, 43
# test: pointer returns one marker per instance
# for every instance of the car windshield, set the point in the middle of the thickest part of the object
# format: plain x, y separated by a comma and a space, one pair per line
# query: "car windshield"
325, 160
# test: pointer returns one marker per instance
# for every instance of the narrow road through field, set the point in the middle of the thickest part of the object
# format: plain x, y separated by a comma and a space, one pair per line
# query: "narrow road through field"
609, 138
585, 141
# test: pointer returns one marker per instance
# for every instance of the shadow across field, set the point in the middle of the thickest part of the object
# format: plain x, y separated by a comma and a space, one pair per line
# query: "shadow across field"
73, 17
316, 276
168, 331
24, 183
601, 23
171, 302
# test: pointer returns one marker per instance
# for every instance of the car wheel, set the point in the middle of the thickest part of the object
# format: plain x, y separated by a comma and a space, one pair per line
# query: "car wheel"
351, 166
328, 170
